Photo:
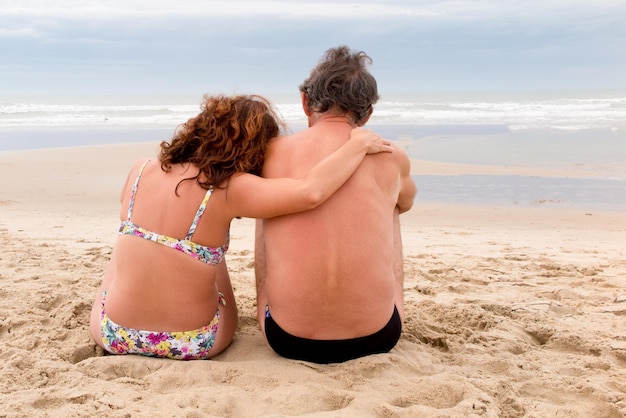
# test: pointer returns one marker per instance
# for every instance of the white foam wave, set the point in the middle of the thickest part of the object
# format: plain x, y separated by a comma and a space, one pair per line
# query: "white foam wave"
567, 114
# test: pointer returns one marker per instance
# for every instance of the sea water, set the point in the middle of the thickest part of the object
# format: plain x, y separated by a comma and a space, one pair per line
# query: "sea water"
575, 130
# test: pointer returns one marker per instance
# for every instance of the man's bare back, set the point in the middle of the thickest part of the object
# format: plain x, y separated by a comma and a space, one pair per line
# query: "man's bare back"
332, 262
333, 273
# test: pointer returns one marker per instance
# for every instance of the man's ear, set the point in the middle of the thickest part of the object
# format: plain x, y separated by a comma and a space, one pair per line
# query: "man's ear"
365, 119
305, 103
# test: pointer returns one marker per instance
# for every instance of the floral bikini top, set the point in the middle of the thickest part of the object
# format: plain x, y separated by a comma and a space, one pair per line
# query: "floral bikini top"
210, 255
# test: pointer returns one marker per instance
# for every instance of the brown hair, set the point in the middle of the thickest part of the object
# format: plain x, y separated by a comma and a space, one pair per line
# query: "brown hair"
341, 79
229, 135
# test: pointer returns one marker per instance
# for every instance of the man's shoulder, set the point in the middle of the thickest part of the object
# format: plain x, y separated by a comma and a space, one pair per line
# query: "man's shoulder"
293, 136
399, 152
278, 147
286, 141
280, 140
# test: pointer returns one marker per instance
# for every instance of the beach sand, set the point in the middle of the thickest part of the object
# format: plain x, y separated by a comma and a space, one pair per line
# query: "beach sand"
511, 312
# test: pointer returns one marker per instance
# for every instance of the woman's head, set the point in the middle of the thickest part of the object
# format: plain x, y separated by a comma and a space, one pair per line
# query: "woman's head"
229, 135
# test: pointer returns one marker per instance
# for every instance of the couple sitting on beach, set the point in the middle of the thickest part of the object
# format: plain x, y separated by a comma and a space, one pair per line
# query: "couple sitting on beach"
328, 252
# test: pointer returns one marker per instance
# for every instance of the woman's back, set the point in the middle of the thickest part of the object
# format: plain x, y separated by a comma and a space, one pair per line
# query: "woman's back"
155, 281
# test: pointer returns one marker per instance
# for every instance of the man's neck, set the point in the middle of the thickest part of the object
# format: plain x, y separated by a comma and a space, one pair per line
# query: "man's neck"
324, 118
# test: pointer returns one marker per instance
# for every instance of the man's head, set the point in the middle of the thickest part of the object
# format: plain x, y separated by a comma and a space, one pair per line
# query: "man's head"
341, 83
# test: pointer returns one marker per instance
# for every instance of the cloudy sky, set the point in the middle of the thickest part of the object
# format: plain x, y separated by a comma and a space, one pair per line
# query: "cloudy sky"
195, 46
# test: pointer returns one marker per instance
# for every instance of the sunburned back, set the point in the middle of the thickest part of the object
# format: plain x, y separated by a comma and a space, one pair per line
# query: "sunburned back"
328, 268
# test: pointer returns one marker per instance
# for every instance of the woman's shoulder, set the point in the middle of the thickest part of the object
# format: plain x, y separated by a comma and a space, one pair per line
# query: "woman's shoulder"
133, 172
140, 162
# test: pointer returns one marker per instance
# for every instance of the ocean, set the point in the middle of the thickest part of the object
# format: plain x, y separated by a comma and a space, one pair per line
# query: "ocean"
575, 130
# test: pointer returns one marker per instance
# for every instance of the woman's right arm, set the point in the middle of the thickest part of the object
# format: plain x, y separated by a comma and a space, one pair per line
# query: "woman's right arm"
255, 197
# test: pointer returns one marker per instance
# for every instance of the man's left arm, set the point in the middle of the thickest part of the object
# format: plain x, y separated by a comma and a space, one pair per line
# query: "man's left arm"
408, 190
398, 265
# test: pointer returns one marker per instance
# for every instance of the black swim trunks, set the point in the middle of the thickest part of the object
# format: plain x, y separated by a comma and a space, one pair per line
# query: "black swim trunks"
332, 351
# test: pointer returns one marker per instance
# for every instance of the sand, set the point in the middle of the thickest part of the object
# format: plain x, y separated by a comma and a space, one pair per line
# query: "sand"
511, 312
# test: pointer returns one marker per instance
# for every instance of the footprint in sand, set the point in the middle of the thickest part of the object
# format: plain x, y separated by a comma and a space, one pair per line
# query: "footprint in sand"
100, 253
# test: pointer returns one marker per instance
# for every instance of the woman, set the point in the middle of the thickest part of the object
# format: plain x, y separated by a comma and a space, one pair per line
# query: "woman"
167, 273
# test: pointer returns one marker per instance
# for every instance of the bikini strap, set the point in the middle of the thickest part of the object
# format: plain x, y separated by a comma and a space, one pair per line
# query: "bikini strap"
199, 212
133, 192
221, 300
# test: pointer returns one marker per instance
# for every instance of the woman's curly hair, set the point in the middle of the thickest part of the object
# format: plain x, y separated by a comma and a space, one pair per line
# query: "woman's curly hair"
229, 135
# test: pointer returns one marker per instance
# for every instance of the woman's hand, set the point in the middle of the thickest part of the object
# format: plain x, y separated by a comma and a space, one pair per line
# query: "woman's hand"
372, 141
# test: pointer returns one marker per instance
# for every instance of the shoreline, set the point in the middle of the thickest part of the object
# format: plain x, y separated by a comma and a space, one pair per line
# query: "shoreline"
77, 166
440, 168
418, 166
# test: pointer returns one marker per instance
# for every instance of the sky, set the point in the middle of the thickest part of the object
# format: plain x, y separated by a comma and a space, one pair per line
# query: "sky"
141, 47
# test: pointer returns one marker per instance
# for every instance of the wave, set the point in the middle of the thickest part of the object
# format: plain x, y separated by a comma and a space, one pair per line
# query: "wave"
560, 113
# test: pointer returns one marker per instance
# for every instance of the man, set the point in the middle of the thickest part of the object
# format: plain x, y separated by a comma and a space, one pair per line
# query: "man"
329, 280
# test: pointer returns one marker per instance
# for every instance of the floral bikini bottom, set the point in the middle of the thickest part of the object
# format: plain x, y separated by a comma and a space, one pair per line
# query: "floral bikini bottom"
184, 345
